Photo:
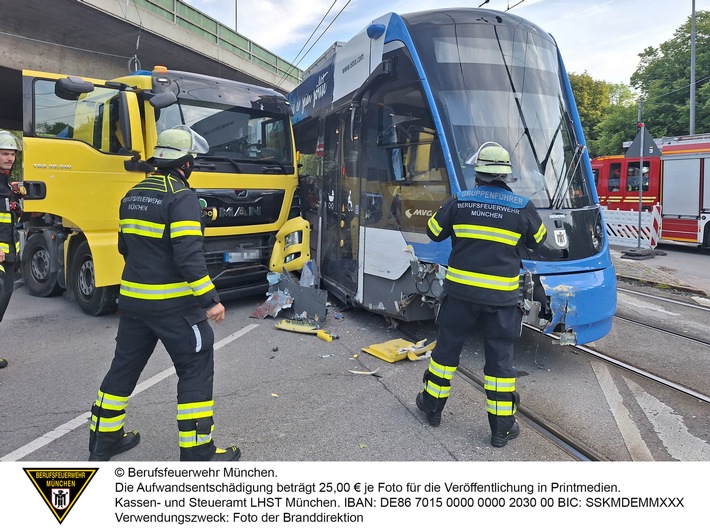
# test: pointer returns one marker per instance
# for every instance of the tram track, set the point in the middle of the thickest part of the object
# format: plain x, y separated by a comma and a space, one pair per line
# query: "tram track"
635, 370
565, 441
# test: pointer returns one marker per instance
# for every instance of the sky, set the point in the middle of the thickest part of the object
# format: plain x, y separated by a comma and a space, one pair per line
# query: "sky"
601, 37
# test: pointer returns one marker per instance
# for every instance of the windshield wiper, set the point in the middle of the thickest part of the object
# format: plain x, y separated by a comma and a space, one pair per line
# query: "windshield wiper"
216, 158
564, 183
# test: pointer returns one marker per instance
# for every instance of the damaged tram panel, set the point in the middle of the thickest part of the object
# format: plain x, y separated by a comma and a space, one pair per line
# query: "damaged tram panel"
383, 125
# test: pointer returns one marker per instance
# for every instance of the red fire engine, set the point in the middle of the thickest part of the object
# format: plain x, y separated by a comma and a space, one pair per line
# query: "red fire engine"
678, 182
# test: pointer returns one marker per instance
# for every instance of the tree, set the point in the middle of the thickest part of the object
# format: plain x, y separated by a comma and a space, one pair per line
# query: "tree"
663, 80
619, 122
592, 97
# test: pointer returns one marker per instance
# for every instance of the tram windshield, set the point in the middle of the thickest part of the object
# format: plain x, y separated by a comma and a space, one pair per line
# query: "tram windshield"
493, 82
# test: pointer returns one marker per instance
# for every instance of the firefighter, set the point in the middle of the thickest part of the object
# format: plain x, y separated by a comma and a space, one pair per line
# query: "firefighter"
9, 214
166, 294
487, 225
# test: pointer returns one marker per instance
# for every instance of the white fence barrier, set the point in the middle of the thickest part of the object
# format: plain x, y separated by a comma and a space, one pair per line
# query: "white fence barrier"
622, 227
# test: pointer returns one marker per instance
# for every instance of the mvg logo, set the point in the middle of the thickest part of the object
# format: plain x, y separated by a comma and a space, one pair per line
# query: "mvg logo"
419, 212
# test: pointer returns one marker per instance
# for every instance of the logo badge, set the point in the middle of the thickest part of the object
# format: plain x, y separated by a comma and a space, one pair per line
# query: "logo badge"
60, 488
561, 238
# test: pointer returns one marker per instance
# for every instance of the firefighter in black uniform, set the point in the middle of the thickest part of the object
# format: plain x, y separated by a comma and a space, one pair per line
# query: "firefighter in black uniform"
9, 212
166, 294
487, 226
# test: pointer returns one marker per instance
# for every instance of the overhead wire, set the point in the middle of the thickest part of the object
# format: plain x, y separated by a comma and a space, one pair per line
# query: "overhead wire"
313, 32
316, 41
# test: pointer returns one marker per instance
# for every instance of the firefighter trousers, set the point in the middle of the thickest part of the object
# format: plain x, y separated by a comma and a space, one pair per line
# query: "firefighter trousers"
500, 327
189, 340
7, 283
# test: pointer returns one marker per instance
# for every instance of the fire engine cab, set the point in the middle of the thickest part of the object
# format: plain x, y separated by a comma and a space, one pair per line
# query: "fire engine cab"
677, 182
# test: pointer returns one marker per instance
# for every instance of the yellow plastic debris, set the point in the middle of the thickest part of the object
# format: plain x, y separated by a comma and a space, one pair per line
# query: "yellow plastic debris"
399, 349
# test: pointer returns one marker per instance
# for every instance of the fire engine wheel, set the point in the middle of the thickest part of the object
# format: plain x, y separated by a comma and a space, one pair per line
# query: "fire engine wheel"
92, 300
40, 281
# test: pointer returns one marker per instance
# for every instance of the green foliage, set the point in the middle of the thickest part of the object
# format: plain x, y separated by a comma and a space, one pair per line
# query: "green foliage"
663, 80
609, 112
593, 98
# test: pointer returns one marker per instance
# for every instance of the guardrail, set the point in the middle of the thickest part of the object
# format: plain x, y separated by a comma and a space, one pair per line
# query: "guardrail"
191, 19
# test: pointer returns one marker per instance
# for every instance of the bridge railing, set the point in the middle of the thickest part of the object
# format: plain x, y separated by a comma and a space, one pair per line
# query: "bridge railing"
208, 28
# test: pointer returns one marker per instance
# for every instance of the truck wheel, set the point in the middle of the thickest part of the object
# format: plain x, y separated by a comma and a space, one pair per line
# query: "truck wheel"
40, 281
92, 300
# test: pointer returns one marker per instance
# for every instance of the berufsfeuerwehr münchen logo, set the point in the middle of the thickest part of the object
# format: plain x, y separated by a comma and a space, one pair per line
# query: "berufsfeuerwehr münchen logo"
60, 488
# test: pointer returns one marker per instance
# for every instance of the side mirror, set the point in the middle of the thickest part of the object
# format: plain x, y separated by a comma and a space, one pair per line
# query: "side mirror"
162, 100
70, 88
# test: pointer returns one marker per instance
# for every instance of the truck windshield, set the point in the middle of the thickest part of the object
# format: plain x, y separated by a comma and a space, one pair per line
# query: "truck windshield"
234, 133
493, 82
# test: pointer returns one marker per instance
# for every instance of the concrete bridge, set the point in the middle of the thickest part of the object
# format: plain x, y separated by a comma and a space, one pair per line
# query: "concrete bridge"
109, 38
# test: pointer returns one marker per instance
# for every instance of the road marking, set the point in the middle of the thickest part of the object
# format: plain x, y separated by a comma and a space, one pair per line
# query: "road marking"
670, 428
629, 432
80, 420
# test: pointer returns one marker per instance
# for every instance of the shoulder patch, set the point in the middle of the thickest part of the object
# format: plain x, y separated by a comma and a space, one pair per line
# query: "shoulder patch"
495, 195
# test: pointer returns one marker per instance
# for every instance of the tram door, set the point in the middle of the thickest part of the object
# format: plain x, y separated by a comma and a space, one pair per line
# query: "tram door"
341, 197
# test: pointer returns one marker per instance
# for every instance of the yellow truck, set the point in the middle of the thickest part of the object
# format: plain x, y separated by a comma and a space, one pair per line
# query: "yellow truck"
85, 144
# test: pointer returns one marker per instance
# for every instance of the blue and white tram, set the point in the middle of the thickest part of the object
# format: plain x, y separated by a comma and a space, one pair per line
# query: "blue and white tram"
384, 124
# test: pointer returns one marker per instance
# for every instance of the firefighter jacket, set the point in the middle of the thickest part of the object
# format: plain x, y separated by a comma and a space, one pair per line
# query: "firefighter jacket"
9, 242
487, 226
160, 236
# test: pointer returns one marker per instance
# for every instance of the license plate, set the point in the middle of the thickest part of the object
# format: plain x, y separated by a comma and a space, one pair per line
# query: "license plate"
248, 255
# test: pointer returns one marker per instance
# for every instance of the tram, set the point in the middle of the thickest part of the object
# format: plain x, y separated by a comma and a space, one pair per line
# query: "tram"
384, 124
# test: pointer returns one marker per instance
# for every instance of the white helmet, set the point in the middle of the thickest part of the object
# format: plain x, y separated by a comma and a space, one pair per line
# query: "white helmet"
8, 141
491, 162
177, 144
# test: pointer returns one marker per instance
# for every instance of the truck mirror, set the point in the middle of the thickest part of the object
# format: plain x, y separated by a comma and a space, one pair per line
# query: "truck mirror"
70, 88
162, 100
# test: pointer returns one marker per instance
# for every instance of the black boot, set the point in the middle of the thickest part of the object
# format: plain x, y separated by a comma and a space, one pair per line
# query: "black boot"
3, 363
104, 445
209, 453
503, 428
433, 413
230, 454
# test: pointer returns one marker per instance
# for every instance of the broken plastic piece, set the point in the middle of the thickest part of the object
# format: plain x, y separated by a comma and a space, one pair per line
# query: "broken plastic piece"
399, 349
358, 372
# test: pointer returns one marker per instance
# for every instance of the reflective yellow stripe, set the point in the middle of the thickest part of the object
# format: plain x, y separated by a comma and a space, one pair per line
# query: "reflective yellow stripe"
166, 291
434, 226
2, 269
5, 218
111, 402
195, 410
482, 280
17, 247
541, 232
202, 286
440, 392
499, 384
185, 228
108, 424
142, 228
445, 372
190, 438
152, 183
155, 291
5, 248
501, 408
482, 232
